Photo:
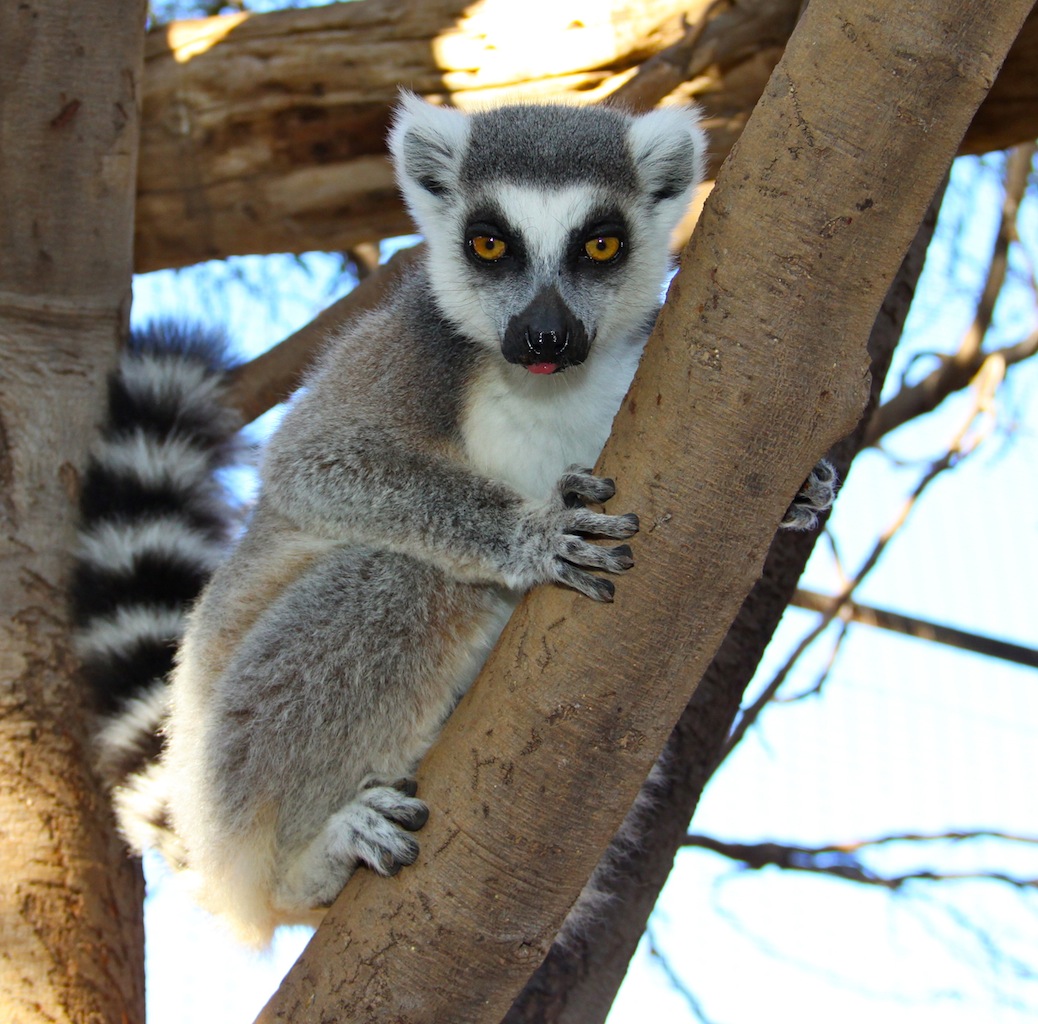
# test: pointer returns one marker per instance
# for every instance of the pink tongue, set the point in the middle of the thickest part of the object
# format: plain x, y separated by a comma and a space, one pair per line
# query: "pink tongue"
543, 367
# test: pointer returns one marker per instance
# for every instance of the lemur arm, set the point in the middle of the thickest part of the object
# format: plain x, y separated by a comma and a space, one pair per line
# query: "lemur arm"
370, 487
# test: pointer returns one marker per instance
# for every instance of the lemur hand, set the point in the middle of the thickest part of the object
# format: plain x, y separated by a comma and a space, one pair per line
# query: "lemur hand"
552, 546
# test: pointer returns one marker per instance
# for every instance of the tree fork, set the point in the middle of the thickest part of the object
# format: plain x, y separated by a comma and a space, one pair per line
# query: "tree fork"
745, 383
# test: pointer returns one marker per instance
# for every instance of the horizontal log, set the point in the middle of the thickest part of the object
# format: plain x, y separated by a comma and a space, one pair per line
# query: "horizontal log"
265, 133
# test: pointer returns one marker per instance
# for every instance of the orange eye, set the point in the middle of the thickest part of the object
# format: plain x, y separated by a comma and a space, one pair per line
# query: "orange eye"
488, 248
603, 248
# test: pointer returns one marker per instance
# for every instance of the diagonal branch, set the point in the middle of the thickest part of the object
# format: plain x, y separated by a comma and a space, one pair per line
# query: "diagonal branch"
578, 979
923, 629
264, 132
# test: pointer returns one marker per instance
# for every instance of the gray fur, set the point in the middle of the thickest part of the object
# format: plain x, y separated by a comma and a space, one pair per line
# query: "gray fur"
508, 144
428, 474
420, 484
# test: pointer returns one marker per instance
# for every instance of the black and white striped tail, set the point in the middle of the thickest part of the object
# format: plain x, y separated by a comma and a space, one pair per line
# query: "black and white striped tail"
154, 522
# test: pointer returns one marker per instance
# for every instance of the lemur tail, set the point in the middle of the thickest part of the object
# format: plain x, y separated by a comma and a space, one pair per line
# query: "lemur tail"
154, 522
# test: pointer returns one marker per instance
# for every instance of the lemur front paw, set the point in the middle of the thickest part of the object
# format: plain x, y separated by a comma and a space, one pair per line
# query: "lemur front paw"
555, 536
815, 497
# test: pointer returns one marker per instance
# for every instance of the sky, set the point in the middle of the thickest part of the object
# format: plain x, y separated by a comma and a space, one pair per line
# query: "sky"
904, 735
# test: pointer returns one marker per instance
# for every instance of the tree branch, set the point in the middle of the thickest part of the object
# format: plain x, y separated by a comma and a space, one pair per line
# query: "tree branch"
71, 927
922, 629
579, 978
988, 378
265, 132
840, 860
956, 371
711, 445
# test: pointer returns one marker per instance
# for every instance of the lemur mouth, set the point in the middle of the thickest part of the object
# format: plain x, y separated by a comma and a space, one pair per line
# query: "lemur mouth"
545, 343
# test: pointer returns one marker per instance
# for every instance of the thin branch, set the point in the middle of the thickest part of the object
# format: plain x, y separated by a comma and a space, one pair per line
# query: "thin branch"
1021, 350
823, 676
986, 382
674, 979
956, 371
750, 714
840, 860
922, 629
964, 835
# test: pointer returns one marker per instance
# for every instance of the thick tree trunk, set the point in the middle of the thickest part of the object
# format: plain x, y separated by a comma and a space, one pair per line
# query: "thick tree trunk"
578, 980
71, 940
745, 384
265, 133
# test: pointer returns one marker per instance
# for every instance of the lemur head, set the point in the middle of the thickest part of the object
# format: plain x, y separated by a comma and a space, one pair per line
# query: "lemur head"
547, 226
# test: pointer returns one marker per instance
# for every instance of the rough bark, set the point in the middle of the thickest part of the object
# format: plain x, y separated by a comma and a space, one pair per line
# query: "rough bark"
264, 133
71, 938
743, 387
578, 981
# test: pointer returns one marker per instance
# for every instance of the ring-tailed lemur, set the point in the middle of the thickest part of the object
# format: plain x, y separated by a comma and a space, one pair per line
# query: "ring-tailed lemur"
419, 484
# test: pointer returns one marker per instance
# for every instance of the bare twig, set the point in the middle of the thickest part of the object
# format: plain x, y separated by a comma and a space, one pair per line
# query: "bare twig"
823, 676
955, 372
923, 629
750, 714
674, 979
841, 860
986, 382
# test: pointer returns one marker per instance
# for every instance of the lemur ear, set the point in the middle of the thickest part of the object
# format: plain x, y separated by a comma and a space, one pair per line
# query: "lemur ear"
427, 144
669, 151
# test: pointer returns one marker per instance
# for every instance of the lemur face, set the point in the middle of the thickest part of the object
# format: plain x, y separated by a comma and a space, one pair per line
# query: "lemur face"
543, 268
547, 226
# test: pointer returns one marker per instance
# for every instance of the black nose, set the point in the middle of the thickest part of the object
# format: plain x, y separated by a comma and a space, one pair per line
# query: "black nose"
547, 346
545, 336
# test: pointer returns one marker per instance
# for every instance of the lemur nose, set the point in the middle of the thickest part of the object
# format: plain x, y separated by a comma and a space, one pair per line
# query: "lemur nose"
547, 344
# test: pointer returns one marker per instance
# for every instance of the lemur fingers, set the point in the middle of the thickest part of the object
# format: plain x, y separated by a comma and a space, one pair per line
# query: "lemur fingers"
565, 555
579, 556
595, 587
596, 524
579, 486
815, 497
397, 803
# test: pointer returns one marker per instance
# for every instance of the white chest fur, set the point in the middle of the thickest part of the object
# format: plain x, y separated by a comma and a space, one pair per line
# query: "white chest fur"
526, 430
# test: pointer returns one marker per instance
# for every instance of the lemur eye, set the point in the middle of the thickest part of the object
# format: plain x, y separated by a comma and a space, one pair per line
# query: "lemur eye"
488, 248
603, 248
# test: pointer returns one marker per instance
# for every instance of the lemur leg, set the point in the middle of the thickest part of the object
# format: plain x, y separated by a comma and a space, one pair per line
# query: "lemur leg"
324, 712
